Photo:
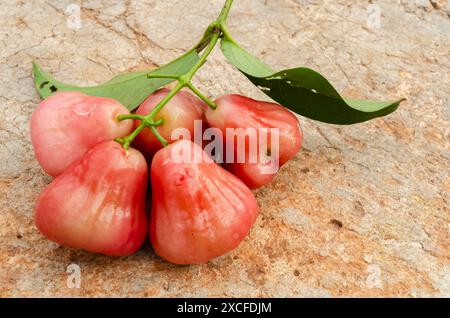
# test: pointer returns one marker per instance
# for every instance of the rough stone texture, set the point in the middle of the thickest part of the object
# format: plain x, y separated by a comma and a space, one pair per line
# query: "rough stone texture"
361, 211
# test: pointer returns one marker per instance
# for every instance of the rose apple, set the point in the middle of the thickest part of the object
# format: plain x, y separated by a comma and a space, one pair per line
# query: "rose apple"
67, 124
199, 210
98, 204
240, 113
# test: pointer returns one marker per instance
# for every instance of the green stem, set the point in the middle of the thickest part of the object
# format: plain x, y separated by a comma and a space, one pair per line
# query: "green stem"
194, 89
208, 43
165, 100
189, 75
148, 123
225, 12
158, 136
157, 123
130, 116
126, 142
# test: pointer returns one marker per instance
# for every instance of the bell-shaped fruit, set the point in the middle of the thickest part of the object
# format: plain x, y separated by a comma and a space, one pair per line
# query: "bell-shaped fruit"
199, 210
272, 129
98, 204
67, 124
180, 112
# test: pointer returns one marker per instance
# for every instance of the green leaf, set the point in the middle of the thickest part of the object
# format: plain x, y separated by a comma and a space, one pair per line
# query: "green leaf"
305, 91
130, 89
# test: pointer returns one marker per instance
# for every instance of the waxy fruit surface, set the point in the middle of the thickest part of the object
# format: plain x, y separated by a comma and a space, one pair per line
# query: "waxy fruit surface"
66, 125
199, 210
245, 115
98, 204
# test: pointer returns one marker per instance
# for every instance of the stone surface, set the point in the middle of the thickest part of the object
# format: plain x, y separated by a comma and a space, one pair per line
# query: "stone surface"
361, 211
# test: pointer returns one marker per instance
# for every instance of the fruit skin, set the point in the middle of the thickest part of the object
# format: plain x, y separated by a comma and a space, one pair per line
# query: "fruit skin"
180, 112
67, 124
235, 111
199, 210
98, 204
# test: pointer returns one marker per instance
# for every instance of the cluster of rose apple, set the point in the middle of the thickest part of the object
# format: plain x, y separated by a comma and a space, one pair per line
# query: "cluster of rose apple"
200, 194
200, 209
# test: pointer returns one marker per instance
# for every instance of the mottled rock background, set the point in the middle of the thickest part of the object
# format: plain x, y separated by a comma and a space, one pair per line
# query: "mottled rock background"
361, 211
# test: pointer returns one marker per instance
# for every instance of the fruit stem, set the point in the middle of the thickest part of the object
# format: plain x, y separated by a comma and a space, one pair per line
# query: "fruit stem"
222, 19
129, 116
191, 86
208, 43
126, 142
194, 89
158, 136
165, 100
